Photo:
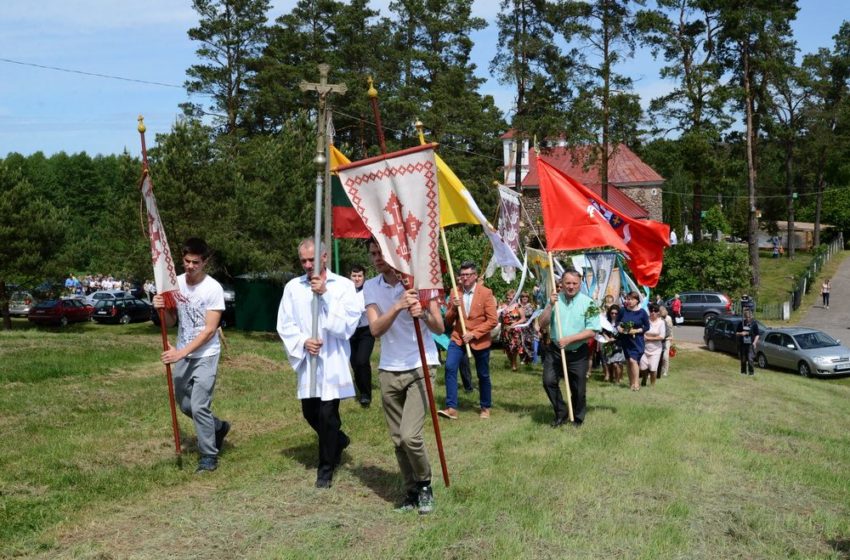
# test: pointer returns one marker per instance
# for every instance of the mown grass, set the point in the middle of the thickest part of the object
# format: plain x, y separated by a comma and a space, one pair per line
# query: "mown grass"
777, 276
707, 464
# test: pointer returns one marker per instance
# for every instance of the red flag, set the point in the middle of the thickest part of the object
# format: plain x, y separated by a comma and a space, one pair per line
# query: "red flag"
570, 220
645, 239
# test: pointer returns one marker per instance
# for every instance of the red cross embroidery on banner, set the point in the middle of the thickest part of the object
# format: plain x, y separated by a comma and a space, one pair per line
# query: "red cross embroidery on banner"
399, 227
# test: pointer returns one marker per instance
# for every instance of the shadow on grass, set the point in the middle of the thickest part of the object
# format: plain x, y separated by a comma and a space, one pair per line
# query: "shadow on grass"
304, 453
381, 481
539, 413
841, 546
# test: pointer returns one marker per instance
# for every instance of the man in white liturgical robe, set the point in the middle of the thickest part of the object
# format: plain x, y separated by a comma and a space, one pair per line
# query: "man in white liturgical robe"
339, 314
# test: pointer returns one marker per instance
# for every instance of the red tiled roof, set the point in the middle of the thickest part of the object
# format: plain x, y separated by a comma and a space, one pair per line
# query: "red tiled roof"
625, 169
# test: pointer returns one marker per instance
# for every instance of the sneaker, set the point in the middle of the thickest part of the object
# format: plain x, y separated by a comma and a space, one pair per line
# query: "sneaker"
410, 503
221, 433
449, 413
484, 414
426, 500
208, 463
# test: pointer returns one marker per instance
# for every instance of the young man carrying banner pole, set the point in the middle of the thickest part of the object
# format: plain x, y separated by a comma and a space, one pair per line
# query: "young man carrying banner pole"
397, 198
164, 276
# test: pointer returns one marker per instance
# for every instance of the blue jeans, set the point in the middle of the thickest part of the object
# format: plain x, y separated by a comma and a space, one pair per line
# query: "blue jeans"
454, 354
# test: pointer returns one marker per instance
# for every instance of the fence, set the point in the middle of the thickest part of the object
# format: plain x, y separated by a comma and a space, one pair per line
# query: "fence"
804, 283
801, 286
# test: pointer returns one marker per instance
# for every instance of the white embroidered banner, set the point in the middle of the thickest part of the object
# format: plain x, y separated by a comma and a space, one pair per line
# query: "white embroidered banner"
164, 273
397, 198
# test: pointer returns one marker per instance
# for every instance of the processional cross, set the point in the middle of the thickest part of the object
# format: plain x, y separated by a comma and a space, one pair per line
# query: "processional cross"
324, 89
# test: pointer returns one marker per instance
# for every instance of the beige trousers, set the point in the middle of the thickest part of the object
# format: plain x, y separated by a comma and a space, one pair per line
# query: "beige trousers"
405, 402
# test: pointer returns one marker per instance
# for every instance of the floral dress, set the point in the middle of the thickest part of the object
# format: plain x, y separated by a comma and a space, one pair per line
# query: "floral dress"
529, 335
511, 338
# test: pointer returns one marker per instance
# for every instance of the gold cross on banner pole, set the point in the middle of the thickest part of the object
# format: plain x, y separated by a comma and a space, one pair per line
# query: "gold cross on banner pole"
324, 89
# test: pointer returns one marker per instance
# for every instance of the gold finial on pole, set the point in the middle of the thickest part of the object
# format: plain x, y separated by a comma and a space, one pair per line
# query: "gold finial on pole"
141, 128
419, 126
373, 101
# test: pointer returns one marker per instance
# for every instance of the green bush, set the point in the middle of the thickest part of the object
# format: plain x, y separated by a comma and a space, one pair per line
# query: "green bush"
704, 266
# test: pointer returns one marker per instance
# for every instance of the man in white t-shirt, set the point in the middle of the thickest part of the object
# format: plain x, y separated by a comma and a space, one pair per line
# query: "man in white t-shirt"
391, 310
195, 358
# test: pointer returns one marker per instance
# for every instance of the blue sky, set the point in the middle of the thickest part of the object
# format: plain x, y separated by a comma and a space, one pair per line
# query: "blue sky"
52, 111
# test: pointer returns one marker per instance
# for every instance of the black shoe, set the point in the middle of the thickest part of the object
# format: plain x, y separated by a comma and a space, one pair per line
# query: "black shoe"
426, 500
468, 389
558, 422
208, 463
221, 433
323, 483
410, 503
364, 402
344, 441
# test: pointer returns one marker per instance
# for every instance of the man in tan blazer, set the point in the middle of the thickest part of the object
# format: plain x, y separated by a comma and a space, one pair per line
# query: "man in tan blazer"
479, 311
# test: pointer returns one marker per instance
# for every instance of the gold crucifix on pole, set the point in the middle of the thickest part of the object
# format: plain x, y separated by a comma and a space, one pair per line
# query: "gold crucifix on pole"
324, 89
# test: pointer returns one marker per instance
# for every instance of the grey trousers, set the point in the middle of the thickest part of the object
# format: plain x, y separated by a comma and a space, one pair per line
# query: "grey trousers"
194, 381
405, 401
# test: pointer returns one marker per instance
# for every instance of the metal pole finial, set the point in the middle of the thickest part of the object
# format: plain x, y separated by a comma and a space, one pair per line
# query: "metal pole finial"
373, 93
141, 128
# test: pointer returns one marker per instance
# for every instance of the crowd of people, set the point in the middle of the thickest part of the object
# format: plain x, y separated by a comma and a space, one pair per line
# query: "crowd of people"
84, 285
565, 329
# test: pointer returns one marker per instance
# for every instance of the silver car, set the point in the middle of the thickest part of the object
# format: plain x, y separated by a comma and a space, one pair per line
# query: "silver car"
809, 352
20, 304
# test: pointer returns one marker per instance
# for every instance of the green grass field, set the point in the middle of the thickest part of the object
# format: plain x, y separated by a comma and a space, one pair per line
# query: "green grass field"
705, 465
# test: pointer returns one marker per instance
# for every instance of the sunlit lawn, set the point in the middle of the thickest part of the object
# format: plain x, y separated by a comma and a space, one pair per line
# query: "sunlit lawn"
705, 465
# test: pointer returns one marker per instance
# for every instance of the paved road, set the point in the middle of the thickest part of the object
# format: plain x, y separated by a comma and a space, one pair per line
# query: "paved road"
835, 321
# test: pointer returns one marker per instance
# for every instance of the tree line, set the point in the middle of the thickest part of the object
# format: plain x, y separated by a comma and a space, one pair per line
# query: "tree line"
749, 129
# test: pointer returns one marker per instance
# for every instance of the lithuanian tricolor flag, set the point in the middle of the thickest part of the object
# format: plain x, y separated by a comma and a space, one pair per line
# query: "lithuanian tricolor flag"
346, 222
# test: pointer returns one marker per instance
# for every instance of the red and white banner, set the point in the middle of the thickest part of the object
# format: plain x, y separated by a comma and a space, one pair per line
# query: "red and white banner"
397, 197
164, 273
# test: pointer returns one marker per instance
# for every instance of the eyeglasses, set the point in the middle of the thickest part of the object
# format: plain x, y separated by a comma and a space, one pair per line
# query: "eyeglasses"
465, 274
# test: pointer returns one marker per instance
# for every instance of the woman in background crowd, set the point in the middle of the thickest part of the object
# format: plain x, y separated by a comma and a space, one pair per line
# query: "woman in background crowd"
664, 366
612, 353
511, 339
634, 322
529, 332
653, 346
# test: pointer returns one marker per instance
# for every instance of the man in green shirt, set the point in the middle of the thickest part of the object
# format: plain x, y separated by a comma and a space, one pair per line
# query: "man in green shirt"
571, 328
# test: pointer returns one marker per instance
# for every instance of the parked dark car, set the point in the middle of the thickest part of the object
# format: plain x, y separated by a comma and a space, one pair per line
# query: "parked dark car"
701, 306
60, 312
121, 311
719, 333
809, 352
